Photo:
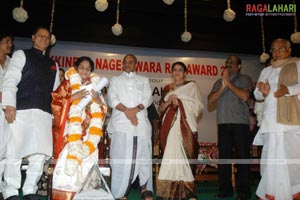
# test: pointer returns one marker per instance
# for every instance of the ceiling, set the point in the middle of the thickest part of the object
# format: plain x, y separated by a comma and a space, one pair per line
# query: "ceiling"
152, 23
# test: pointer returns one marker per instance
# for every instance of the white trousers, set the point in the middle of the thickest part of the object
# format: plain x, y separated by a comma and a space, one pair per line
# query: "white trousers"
3, 142
2, 164
12, 175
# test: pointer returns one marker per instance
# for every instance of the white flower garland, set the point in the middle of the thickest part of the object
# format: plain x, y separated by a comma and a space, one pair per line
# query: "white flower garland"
101, 5
295, 38
78, 150
229, 14
168, 2
117, 28
186, 36
264, 57
20, 14
53, 39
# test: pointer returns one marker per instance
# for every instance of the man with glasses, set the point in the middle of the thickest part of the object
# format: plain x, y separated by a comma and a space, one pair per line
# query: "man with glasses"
26, 98
279, 87
129, 95
231, 93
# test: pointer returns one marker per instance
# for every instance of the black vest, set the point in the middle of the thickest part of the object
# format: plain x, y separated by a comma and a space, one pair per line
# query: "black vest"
36, 85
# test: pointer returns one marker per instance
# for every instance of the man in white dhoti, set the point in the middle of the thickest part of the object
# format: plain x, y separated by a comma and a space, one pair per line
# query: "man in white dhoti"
6, 45
279, 86
26, 98
131, 150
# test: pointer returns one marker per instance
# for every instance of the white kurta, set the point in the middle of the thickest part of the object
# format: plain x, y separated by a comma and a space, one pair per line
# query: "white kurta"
3, 134
281, 143
3, 137
31, 132
130, 90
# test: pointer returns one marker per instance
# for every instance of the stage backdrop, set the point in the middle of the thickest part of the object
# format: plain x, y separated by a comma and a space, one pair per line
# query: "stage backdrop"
203, 67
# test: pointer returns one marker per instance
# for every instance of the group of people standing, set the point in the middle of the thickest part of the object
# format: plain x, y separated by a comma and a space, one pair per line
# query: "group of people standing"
32, 91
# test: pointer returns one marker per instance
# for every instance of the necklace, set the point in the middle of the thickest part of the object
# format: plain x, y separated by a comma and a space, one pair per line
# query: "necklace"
179, 84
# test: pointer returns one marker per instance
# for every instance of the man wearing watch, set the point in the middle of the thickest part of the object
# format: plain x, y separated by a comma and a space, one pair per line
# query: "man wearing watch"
130, 131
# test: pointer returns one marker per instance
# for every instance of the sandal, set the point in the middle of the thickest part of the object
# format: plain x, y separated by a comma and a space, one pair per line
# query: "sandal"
147, 195
191, 197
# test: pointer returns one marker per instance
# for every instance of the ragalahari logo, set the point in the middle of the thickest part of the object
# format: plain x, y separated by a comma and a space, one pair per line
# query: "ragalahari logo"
270, 9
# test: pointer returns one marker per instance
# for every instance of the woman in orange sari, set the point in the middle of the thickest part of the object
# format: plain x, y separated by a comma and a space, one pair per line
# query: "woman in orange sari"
181, 106
76, 131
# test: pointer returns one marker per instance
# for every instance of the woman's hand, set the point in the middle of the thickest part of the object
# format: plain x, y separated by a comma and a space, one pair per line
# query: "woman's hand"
162, 107
96, 98
171, 97
79, 95
174, 99
87, 82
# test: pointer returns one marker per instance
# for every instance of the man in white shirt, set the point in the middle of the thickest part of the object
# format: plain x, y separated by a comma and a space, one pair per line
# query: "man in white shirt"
6, 45
26, 98
129, 95
279, 133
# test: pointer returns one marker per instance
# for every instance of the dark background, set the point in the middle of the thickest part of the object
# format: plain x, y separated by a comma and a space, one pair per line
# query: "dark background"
152, 23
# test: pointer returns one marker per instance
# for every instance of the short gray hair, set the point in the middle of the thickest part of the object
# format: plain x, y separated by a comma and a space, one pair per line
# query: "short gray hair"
287, 42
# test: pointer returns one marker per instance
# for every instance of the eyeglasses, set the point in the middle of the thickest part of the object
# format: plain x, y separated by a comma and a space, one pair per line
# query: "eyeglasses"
280, 49
80, 67
129, 62
43, 36
230, 63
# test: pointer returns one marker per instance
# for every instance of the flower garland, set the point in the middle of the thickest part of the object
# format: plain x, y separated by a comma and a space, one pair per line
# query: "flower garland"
186, 36
295, 37
20, 14
53, 38
228, 14
117, 28
264, 56
101, 5
78, 149
168, 2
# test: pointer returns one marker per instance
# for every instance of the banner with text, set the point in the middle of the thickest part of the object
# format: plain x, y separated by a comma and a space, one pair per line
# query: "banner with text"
203, 67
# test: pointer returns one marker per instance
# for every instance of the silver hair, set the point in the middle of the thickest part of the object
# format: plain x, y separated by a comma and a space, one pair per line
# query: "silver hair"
287, 42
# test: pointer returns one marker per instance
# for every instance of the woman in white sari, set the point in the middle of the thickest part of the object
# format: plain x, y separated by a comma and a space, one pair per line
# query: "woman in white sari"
180, 107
